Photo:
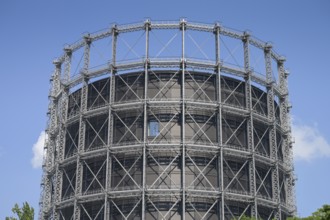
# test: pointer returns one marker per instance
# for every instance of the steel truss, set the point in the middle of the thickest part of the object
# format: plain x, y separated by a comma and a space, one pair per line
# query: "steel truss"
168, 137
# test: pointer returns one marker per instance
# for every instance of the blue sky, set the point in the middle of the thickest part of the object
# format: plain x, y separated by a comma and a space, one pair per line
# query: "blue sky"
34, 32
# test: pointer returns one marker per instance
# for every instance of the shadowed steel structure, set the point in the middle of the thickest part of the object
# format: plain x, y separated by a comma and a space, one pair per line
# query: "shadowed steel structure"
168, 120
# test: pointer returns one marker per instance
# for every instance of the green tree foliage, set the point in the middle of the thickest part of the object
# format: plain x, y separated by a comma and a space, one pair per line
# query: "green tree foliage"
24, 213
321, 214
247, 218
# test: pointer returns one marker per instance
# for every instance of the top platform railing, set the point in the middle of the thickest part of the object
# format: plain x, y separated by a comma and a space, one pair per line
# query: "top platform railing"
182, 25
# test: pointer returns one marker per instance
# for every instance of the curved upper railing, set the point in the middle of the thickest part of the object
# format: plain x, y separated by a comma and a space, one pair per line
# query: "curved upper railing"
158, 62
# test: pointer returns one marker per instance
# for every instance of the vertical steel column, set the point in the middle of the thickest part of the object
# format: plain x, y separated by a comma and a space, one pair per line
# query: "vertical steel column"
63, 102
287, 144
112, 91
183, 115
221, 205
145, 118
272, 130
109, 144
110, 128
248, 96
50, 144
82, 127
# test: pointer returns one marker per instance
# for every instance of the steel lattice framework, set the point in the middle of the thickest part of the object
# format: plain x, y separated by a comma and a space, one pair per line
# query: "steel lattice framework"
168, 120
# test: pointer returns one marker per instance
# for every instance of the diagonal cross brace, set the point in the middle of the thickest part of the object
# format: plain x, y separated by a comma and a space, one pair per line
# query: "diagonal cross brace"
95, 175
165, 85
234, 132
97, 133
164, 170
201, 172
128, 128
263, 181
99, 93
200, 87
232, 91
164, 127
127, 171
200, 129
235, 175
129, 87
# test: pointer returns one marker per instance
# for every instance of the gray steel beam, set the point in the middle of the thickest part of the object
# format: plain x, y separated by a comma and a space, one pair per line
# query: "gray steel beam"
183, 115
250, 129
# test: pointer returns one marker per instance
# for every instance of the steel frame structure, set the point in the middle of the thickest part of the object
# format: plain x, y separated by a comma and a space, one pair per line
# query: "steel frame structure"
222, 144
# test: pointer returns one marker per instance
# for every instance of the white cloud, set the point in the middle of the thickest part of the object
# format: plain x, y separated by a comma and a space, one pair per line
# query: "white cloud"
38, 150
309, 143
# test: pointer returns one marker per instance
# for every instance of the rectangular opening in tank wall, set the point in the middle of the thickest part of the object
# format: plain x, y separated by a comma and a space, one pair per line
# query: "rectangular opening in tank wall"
153, 128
